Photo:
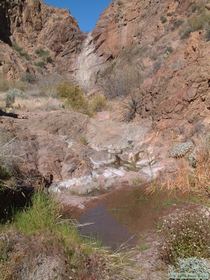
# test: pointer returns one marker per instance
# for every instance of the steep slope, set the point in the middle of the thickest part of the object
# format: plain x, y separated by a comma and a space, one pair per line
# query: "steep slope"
164, 45
36, 38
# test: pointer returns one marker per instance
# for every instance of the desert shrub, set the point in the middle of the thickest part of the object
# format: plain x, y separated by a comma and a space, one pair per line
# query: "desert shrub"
40, 63
97, 103
195, 7
120, 82
168, 50
131, 107
5, 247
42, 53
10, 99
195, 23
4, 173
11, 95
185, 235
192, 266
47, 85
83, 140
49, 59
163, 19
181, 149
29, 78
73, 96
186, 33
21, 51
45, 55
177, 23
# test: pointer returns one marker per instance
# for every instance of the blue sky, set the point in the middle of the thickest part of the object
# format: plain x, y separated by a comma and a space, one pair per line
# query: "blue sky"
86, 12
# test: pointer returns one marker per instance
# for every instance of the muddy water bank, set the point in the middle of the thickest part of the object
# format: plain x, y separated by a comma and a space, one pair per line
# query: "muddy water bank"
122, 217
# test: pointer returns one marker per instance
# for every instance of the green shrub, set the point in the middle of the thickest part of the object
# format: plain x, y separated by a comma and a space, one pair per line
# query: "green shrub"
83, 140
45, 55
4, 173
185, 235
40, 64
195, 23
49, 59
21, 51
73, 96
185, 33
163, 19
5, 248
10, 99
11, 96
177, 23
29, 78
42, 53
43, 224
169, 50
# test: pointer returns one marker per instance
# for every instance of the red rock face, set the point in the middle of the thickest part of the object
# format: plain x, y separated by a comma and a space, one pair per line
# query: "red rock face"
165, 42
32, 25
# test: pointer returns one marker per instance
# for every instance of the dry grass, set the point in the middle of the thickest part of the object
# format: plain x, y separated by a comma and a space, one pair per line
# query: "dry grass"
97, 103
5, 84
186, 181
37, 104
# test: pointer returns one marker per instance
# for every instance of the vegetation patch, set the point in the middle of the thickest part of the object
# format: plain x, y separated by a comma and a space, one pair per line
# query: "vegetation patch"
21, 51
41, 228
5, 84
42, 53
73, 96
185, 235
197, 22
163, 19
11, 97
131, 108
197, 268
29, 78
40, 64
45, 55
97, 103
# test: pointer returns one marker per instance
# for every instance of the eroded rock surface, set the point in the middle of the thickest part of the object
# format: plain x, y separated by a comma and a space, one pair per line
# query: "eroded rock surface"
27, 26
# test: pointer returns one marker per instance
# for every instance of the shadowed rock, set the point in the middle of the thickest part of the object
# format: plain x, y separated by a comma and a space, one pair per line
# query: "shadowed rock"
5, 114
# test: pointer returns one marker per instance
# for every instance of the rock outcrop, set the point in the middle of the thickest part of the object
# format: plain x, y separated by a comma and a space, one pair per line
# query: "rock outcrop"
36, 38
164, 45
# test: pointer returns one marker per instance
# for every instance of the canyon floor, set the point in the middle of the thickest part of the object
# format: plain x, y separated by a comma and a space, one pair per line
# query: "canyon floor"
116, 179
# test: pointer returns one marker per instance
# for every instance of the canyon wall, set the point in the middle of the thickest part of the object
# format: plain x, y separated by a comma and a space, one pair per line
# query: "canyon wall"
164, 45
37, 38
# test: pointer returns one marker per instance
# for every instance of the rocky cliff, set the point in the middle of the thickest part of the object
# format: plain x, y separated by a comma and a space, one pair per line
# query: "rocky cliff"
164, 45
36, 38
